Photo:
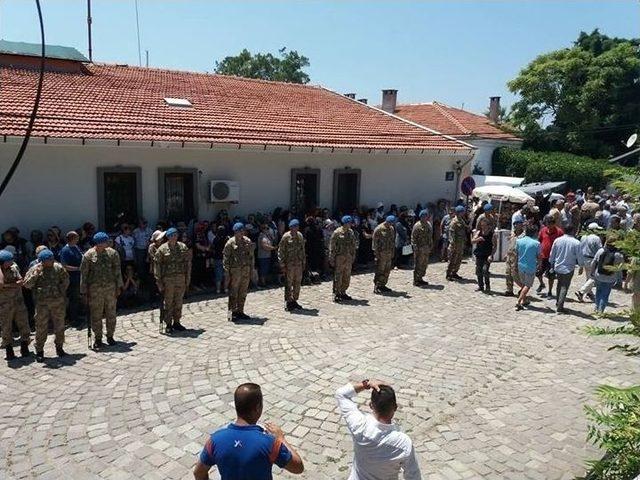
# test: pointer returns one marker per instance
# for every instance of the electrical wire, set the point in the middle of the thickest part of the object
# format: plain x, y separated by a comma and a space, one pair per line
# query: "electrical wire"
36, 104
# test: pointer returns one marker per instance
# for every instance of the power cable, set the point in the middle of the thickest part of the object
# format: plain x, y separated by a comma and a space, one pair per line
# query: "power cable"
36, 104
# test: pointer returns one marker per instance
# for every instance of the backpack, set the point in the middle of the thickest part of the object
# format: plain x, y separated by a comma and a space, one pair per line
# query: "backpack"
607, 259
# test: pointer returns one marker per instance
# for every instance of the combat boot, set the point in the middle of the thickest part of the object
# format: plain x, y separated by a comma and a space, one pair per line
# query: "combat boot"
98, 344
288, 307
10, 354
39, 356
111, 341
59, 351
179, 327
24, 349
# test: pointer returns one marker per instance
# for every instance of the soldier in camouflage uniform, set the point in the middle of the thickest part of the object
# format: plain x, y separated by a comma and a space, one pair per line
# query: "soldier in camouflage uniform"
49, 281
489, 216
457, 237
342, 253
172, 271
384, 247
292, 260
237, 261
511, 262
12, 307
101, 283
422, 243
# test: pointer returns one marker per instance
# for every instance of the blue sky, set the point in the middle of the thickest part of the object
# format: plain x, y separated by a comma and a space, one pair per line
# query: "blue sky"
451, 51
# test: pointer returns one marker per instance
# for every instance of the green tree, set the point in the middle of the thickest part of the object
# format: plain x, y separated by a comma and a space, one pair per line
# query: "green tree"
584, 99
287, 66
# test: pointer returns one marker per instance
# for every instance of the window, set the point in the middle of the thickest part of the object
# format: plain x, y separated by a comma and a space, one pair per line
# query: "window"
119, 196
178, 194
305, 189
178, 102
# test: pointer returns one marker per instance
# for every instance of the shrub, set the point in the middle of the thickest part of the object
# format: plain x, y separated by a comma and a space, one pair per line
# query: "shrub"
577, 171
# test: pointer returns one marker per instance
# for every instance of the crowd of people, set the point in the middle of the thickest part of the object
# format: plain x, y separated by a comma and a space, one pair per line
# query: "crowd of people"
91, 273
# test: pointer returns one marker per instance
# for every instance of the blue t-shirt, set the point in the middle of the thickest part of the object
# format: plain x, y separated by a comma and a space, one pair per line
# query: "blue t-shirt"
528, 249
71, 256
244, 452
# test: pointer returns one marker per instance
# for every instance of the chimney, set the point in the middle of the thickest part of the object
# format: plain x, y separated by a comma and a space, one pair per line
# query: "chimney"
363, 100
350, 95
494, 109
389, 99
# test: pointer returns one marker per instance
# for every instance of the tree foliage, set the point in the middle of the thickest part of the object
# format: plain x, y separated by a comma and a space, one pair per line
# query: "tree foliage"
584, 99
287, 66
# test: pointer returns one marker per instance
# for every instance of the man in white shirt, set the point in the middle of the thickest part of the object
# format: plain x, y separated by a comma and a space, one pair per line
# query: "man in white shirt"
380, 450
566, 253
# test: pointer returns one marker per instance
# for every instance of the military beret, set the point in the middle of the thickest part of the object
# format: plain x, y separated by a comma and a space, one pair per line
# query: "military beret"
238, 226
171, 232
391, 219
100, 237
423, 213
487, 207
5, 256
294, 223
347, 219
459, 209
45, 254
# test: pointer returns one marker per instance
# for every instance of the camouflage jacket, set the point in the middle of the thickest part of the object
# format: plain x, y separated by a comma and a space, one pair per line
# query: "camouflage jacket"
457, 230
343, 242
100, 269
291, 249
384, 239
171, 261
238, 253
10, 276
47, 283
422, 236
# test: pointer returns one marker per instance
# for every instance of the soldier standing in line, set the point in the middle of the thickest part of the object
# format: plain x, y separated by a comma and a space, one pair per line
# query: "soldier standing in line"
488, 215
292, 260
237, 261
457, 238
384, 246
12, 308
101, 283
342, 253
49, 281
511, 261
422, 243
172, 271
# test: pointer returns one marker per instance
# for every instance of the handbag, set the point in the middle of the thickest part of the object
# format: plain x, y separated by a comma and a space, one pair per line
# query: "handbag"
407, 250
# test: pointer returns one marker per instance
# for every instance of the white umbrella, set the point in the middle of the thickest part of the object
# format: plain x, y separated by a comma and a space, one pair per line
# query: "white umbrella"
501, 193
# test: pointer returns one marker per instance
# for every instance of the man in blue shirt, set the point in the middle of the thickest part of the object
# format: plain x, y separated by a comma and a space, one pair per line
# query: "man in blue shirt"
244, 450
528, 252
71, 257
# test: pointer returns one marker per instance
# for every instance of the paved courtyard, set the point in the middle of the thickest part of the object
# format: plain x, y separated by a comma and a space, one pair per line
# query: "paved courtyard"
484, 392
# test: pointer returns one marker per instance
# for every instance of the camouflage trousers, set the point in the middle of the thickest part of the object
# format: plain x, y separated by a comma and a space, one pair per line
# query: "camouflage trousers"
11, 311
239, 278
293, 281
511, 272
342, 274
173, 295
384, 264
421, 261
45, 310
456, 250
102, 304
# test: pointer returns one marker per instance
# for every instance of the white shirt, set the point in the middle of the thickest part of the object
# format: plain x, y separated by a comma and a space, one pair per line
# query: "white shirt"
126, 242
142, 237
379, 449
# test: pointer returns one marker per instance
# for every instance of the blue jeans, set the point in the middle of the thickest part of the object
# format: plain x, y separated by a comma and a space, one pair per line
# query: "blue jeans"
603, 290
218, 270
264, 267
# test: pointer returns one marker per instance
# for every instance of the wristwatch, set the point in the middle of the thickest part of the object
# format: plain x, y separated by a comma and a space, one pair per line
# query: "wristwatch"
365, 384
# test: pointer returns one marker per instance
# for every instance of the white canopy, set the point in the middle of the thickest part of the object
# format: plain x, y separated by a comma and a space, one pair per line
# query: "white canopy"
482, 180
501, 193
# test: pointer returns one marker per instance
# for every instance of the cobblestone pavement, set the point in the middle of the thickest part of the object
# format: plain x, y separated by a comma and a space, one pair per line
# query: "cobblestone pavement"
484, 391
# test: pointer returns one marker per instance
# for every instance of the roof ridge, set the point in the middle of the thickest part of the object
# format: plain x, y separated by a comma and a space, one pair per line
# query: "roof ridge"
422, 127
204, 74
451, 118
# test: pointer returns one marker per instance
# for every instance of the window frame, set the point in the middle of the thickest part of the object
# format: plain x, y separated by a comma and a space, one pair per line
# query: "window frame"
101, 173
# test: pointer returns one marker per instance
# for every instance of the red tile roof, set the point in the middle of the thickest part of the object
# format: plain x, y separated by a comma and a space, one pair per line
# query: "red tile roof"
126, 103
452, 121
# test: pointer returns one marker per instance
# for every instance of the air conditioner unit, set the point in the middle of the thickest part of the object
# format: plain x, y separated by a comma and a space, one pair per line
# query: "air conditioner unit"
224, 191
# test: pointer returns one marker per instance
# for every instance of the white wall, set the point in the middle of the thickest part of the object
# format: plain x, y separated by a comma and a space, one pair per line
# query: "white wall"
57, 184
485, 150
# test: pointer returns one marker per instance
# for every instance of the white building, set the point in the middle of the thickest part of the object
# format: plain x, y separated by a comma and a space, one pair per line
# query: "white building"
113, 143
483, 133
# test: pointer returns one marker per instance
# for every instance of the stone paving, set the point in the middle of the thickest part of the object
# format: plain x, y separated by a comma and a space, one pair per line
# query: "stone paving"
484, 391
